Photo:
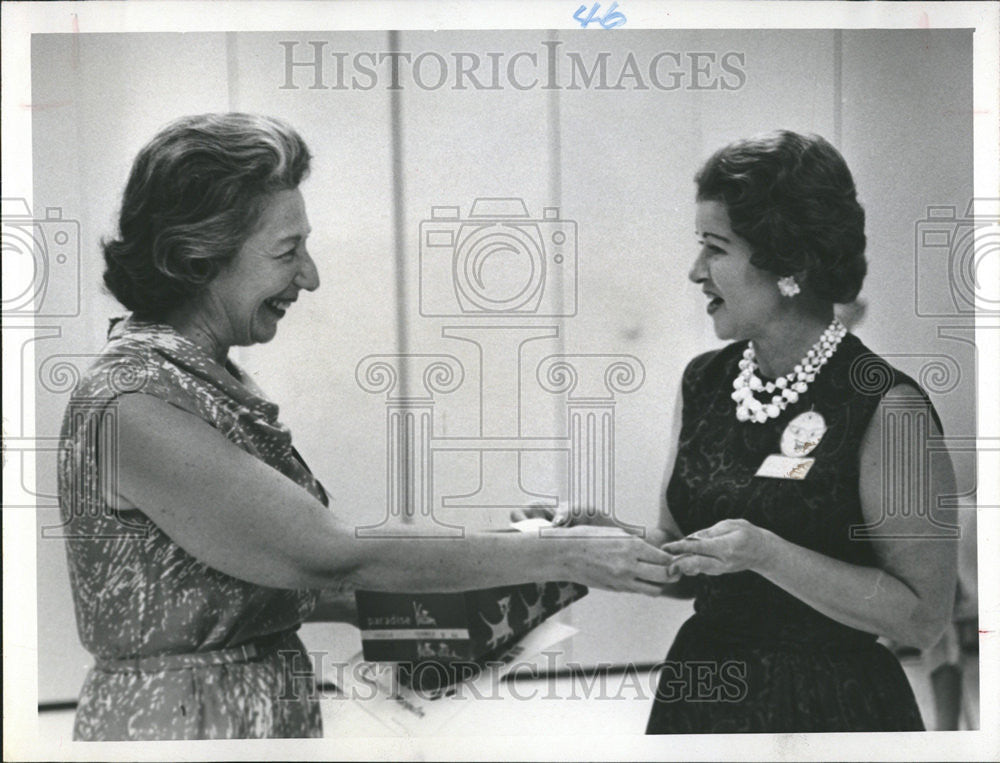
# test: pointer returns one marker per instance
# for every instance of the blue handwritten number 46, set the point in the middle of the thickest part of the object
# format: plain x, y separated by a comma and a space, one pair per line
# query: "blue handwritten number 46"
611, 19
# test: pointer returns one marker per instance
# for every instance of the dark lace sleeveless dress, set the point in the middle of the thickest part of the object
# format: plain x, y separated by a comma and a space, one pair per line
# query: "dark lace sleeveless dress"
754, 658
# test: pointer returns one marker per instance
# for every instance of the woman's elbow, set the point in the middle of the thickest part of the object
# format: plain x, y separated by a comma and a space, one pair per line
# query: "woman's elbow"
331, 565
922, 622
927, 634
922, 630
330, 574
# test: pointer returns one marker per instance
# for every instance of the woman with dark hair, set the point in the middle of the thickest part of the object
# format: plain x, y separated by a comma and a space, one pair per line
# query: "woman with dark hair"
800, 499
798, 478
200, 540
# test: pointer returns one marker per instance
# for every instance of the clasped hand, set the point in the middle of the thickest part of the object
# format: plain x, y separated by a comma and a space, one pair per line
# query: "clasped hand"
732, 545
610, 558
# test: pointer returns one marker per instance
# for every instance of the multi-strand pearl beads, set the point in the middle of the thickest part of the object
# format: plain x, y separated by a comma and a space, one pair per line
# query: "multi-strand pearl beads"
788, 387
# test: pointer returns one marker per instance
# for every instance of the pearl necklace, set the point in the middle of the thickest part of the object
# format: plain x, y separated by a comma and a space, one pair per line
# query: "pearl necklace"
789, 386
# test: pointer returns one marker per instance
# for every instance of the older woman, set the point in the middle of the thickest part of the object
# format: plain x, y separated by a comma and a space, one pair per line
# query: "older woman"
800, 472
201, 539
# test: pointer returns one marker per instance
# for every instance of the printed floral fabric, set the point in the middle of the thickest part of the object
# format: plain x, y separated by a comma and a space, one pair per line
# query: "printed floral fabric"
182, 651
767, 661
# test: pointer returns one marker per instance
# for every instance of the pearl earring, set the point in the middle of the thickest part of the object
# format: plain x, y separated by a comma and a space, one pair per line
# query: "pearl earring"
788, 286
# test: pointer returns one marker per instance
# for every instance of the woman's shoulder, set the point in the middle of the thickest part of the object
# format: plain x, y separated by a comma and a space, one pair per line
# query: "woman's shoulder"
709, 365
118, 369
871, 378
131, 361
869, 373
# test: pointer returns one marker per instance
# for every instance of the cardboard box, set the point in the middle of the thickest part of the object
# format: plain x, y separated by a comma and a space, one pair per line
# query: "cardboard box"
448, 633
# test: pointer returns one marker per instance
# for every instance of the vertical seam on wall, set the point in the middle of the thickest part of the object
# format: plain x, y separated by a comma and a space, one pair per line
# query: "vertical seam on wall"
554, 118
232, 71
398, 232
555, 139
838, 91
398, 214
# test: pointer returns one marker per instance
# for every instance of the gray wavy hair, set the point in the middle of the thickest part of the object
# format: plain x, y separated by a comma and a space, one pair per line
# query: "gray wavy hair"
192, 199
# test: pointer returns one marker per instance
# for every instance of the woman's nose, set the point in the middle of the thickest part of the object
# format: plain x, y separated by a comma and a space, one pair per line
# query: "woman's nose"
698, 271
308, 275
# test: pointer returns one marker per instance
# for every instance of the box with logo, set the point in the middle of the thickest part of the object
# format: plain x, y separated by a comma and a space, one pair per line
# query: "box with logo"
441, 630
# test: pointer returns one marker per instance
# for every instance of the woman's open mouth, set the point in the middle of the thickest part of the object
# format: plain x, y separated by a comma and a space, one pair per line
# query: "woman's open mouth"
714, 303
278, 306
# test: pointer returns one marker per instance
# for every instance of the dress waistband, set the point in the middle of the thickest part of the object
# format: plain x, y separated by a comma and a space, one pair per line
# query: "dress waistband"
156, 663
824, 636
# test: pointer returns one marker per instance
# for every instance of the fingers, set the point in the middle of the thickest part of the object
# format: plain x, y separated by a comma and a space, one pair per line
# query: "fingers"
697, 564
562, 516
532, 512
687, 545
653, 555
719, 528
723, 527
618, 561
653, 573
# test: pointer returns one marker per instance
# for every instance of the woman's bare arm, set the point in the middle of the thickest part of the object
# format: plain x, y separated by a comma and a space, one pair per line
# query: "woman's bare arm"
238, 515
908, 596
678, 586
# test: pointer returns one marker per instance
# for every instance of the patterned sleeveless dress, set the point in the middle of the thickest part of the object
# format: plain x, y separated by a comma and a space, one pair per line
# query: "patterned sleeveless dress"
182, 651
754, 658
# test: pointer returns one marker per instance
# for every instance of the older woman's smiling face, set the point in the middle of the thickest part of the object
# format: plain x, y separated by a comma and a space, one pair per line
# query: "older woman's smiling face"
248, 297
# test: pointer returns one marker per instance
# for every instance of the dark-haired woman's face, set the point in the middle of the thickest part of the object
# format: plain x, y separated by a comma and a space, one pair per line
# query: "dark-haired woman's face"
743, 299
245, 301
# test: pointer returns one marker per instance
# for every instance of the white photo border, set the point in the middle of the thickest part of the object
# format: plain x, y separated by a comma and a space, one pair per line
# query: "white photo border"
23, 19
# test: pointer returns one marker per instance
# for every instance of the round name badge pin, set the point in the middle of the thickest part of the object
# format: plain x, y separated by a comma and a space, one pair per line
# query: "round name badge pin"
802, 434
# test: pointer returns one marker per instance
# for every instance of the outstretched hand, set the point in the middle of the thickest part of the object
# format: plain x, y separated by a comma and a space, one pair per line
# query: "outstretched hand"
611, 559
732, 545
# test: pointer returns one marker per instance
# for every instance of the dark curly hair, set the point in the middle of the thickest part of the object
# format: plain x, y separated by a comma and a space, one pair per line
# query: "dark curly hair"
193, 198
793, 199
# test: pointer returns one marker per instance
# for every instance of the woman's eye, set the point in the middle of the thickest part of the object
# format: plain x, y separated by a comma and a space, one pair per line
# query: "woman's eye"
287, 255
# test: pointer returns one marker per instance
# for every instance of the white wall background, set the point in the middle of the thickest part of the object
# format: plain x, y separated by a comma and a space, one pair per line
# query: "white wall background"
618, 163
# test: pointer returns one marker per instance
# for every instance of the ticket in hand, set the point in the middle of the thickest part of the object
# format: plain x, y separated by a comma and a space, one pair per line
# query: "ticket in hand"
560, 518
531, 525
